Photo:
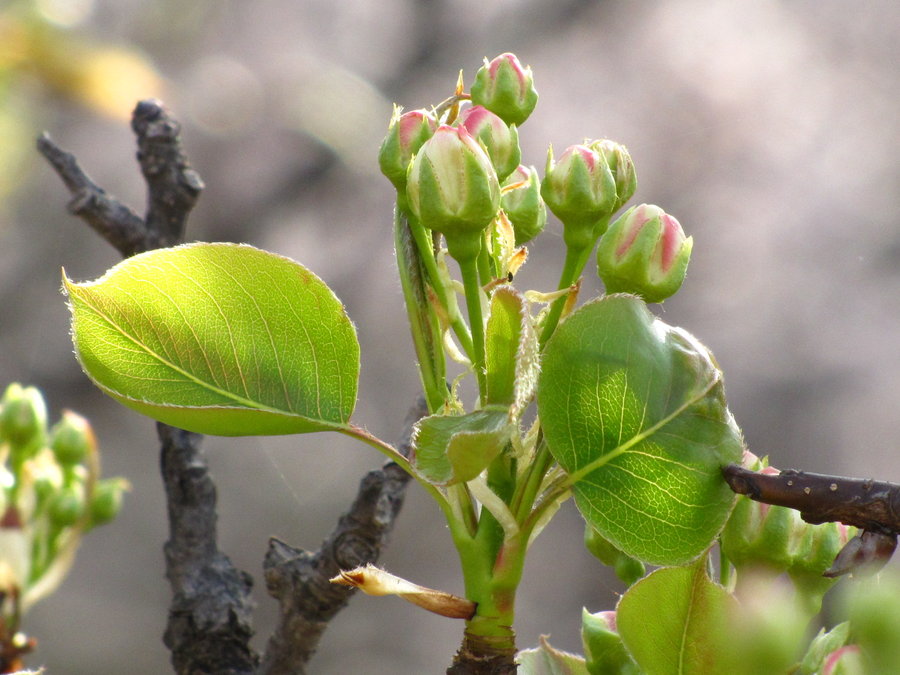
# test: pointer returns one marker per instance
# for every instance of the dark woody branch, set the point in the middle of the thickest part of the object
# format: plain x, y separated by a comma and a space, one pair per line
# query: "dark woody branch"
209, 626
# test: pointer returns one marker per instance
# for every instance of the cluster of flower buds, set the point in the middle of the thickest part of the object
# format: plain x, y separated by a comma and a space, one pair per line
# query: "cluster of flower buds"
50, 494
455, 170
760, 537
448, 168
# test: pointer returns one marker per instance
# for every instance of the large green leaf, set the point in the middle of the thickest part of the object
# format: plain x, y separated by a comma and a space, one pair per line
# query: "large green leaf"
675, 622
218, 338
634, 410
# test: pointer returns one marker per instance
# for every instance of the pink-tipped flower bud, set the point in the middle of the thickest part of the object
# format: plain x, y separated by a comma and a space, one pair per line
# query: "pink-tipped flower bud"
521, 201
622, 167
452, 188
506, 88
406, 134
499, 139
581, 191
644, 252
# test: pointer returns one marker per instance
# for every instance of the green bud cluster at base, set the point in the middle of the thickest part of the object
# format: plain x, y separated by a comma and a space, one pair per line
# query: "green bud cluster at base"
50, 494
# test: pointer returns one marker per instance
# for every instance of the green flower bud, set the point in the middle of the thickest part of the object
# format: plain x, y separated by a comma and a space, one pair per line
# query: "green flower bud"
505, 88
500, 141
604, 651
581, 190
619, 162
406, 134
521, 201
72, 439
107, 500
644, 252
23, 416
66, 506
628, 569
453, 189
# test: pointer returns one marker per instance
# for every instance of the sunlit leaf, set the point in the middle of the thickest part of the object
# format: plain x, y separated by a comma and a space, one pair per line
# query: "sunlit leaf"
219, 338
634, 410
675, 622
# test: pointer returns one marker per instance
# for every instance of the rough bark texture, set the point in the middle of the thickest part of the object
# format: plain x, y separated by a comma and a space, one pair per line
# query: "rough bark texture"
477, 656
210, 617
299, 579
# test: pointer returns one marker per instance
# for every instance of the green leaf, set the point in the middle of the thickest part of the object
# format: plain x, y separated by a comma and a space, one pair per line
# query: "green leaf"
453, 449
675, 622
545, 660
218, 338
823, 645
511, 351
634, 410
605, 654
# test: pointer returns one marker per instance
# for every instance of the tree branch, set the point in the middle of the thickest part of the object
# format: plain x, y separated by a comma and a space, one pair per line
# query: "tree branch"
299, 579
209, 625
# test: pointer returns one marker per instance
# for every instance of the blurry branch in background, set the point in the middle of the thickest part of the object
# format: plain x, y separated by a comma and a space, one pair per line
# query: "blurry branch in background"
210, 618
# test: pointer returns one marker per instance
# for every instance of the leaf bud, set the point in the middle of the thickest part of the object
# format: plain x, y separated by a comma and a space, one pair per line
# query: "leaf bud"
644, 252
521, 201
406, 134
500, 140
23, 416
72, 439
619, 161
581, 191
453, 189
506, 88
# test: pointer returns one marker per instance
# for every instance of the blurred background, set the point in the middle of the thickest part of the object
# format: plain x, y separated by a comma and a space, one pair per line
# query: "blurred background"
769, 129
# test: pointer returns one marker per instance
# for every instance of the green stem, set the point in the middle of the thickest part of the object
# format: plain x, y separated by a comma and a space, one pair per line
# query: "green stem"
574, 263
468, 268
527, 490
423, 324
426, 253
397, 457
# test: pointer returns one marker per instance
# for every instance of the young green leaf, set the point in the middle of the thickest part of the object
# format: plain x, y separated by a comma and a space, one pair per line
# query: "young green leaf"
511, 350
675, 621
547, 660
218, 338
453, 449
634, 410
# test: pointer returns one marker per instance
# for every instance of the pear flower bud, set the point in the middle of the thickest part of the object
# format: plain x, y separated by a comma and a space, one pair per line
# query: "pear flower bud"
581, 190
453, 189
23, 416
72, 439
619, 162
522, 203
406, 134
506, 88
644, 252
500, 141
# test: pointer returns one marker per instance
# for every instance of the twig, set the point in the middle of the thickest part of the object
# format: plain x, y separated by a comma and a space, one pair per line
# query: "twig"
210, 618
299, 579
209, 625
